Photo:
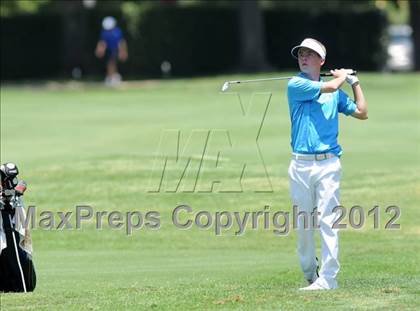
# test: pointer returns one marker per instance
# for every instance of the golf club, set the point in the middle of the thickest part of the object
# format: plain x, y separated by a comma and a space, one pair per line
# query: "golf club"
227, 83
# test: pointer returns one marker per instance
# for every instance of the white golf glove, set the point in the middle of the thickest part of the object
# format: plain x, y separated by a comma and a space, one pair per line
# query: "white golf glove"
351, 79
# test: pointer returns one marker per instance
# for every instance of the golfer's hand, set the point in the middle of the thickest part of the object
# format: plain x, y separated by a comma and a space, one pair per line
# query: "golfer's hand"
122, 55
340, 73
352, 79
100, 49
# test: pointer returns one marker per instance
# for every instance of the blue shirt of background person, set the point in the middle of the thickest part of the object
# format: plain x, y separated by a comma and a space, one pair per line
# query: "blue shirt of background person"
314, 116
112, 39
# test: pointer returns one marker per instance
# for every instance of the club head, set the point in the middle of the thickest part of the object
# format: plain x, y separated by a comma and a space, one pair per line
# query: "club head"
225, 86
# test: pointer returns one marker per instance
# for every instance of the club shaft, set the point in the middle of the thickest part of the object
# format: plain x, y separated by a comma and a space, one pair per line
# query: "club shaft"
327, 74
260, 80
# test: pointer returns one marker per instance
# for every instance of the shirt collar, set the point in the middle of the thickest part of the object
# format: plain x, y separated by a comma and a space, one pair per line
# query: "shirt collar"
304, 75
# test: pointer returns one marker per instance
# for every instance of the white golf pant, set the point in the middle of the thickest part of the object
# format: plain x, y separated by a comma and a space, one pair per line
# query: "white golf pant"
315, 184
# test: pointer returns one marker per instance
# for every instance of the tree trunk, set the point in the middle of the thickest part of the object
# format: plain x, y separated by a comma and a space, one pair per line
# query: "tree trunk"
415, 25
252, 39
73, 39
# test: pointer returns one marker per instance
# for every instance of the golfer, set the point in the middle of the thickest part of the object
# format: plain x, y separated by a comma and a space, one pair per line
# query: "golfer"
315, 169
113, 47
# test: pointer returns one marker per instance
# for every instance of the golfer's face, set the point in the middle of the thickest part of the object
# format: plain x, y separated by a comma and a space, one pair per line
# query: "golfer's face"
308, 60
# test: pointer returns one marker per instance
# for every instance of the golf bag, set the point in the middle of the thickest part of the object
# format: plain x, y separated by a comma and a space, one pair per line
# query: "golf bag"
17, 272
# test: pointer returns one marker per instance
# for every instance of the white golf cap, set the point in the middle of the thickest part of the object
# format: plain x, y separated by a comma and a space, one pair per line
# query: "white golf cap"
108, 23
312, 44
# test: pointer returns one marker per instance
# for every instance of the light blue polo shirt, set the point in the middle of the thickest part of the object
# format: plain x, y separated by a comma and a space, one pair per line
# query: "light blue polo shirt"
314, 116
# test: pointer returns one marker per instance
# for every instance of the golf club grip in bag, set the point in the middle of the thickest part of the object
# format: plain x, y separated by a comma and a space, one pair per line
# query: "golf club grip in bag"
17, 272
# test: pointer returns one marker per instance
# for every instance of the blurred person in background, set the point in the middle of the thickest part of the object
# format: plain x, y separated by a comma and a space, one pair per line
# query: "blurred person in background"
113, 47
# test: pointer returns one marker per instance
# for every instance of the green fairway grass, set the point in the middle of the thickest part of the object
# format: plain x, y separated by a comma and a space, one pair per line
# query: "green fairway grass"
84, 144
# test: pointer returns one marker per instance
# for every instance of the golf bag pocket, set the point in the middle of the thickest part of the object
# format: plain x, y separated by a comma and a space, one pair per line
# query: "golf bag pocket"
17, 272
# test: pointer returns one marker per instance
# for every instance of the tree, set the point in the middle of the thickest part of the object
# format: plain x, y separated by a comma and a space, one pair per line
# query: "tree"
15, 7
252, 39
73, 38
415, 25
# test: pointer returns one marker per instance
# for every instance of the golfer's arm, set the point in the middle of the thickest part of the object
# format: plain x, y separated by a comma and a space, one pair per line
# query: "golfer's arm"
101, 44
123, 45
100, 48
333, 85
362, 108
